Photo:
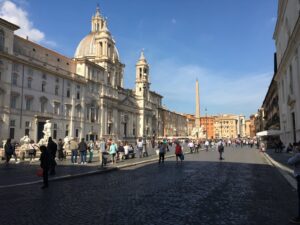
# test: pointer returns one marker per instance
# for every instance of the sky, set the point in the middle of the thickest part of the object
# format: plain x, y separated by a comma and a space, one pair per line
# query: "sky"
226, 45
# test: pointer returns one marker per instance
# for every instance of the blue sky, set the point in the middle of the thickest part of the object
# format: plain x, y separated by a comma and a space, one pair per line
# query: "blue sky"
227, 45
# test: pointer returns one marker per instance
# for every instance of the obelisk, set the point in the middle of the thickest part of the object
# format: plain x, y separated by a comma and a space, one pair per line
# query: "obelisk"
197, 115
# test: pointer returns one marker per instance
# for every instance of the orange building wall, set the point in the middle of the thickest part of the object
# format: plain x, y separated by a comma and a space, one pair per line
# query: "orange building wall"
208, 124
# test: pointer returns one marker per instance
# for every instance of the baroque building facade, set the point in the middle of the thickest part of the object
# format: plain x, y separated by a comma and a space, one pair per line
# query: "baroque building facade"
287, 42
83, 97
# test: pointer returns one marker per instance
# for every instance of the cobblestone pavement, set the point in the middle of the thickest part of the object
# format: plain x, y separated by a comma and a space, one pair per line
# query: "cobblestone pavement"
243, 189
25, 172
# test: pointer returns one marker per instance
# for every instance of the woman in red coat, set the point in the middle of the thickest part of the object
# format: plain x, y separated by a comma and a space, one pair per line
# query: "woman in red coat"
178, 152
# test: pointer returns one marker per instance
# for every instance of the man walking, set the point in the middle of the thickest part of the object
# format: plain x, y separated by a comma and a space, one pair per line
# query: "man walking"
74, 148
52, 149
45, 159
83, 150
140, 147
220, 147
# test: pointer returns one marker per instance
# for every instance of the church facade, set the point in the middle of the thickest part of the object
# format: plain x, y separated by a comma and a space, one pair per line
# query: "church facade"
83, 97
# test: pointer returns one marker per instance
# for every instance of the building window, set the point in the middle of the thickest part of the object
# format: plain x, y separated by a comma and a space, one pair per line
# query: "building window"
68, 93
12, 123
2, 39
76, 133
14, 79
54, 134
68, 110
12, 133
86, 137
43, 87
92, 115
29, 81
13, 102
56, 89
15, 67
28, 104
27, 123
108, 79
43, 107
44, 76
57, 80
67, 130
78, 110
78, 95
26, 132
56, 108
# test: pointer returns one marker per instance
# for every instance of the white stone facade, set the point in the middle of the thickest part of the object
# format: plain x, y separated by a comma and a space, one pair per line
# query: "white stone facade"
83, 97
287, 41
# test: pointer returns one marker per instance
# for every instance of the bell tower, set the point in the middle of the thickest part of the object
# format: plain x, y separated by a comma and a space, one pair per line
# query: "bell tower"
142, 84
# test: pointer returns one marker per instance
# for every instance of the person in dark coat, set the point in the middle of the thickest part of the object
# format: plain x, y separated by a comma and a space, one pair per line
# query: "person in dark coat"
52, 149
8, 150
45, 164
60, 149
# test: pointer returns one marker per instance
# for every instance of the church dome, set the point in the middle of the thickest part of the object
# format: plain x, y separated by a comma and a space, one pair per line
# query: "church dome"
86, 46
99, 42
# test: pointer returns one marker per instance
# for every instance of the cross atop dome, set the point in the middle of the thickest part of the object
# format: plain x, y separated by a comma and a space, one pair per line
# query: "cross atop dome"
98, 11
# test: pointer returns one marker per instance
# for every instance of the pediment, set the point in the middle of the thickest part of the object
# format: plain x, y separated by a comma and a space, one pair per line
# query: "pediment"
129, 102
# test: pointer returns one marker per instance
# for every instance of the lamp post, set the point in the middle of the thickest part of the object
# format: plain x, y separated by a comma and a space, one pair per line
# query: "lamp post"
206, 121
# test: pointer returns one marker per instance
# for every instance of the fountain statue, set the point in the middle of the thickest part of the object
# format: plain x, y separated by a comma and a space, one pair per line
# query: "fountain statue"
47, 133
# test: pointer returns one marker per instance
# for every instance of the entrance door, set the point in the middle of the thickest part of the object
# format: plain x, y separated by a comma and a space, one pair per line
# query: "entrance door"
92, 137
40, 129
294, 126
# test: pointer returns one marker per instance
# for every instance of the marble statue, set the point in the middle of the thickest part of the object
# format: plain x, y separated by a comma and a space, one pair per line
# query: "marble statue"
47, 133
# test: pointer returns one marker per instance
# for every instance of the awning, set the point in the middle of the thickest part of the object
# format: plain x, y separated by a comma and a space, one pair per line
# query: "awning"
269, 133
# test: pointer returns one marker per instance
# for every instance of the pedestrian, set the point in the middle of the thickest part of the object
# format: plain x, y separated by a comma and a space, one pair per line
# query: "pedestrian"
145, 151
82, 146
206, 144
60, 150
121, 151
102, 152
140, 147
178, 152
91, 150
45, 159
32, 151
74, 150
162, 152
295, 161
220, 147
191, 146
113, 151
52, 149
126, 150
9, 150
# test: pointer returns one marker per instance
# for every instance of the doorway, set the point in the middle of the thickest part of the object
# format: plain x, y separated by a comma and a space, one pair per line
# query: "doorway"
40, 129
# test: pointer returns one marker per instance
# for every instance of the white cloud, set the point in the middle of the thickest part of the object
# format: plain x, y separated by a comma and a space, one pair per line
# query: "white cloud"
220, 92
14, 14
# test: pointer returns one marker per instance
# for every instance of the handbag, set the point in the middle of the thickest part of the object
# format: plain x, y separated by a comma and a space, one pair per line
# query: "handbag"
182, 157
39, 172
